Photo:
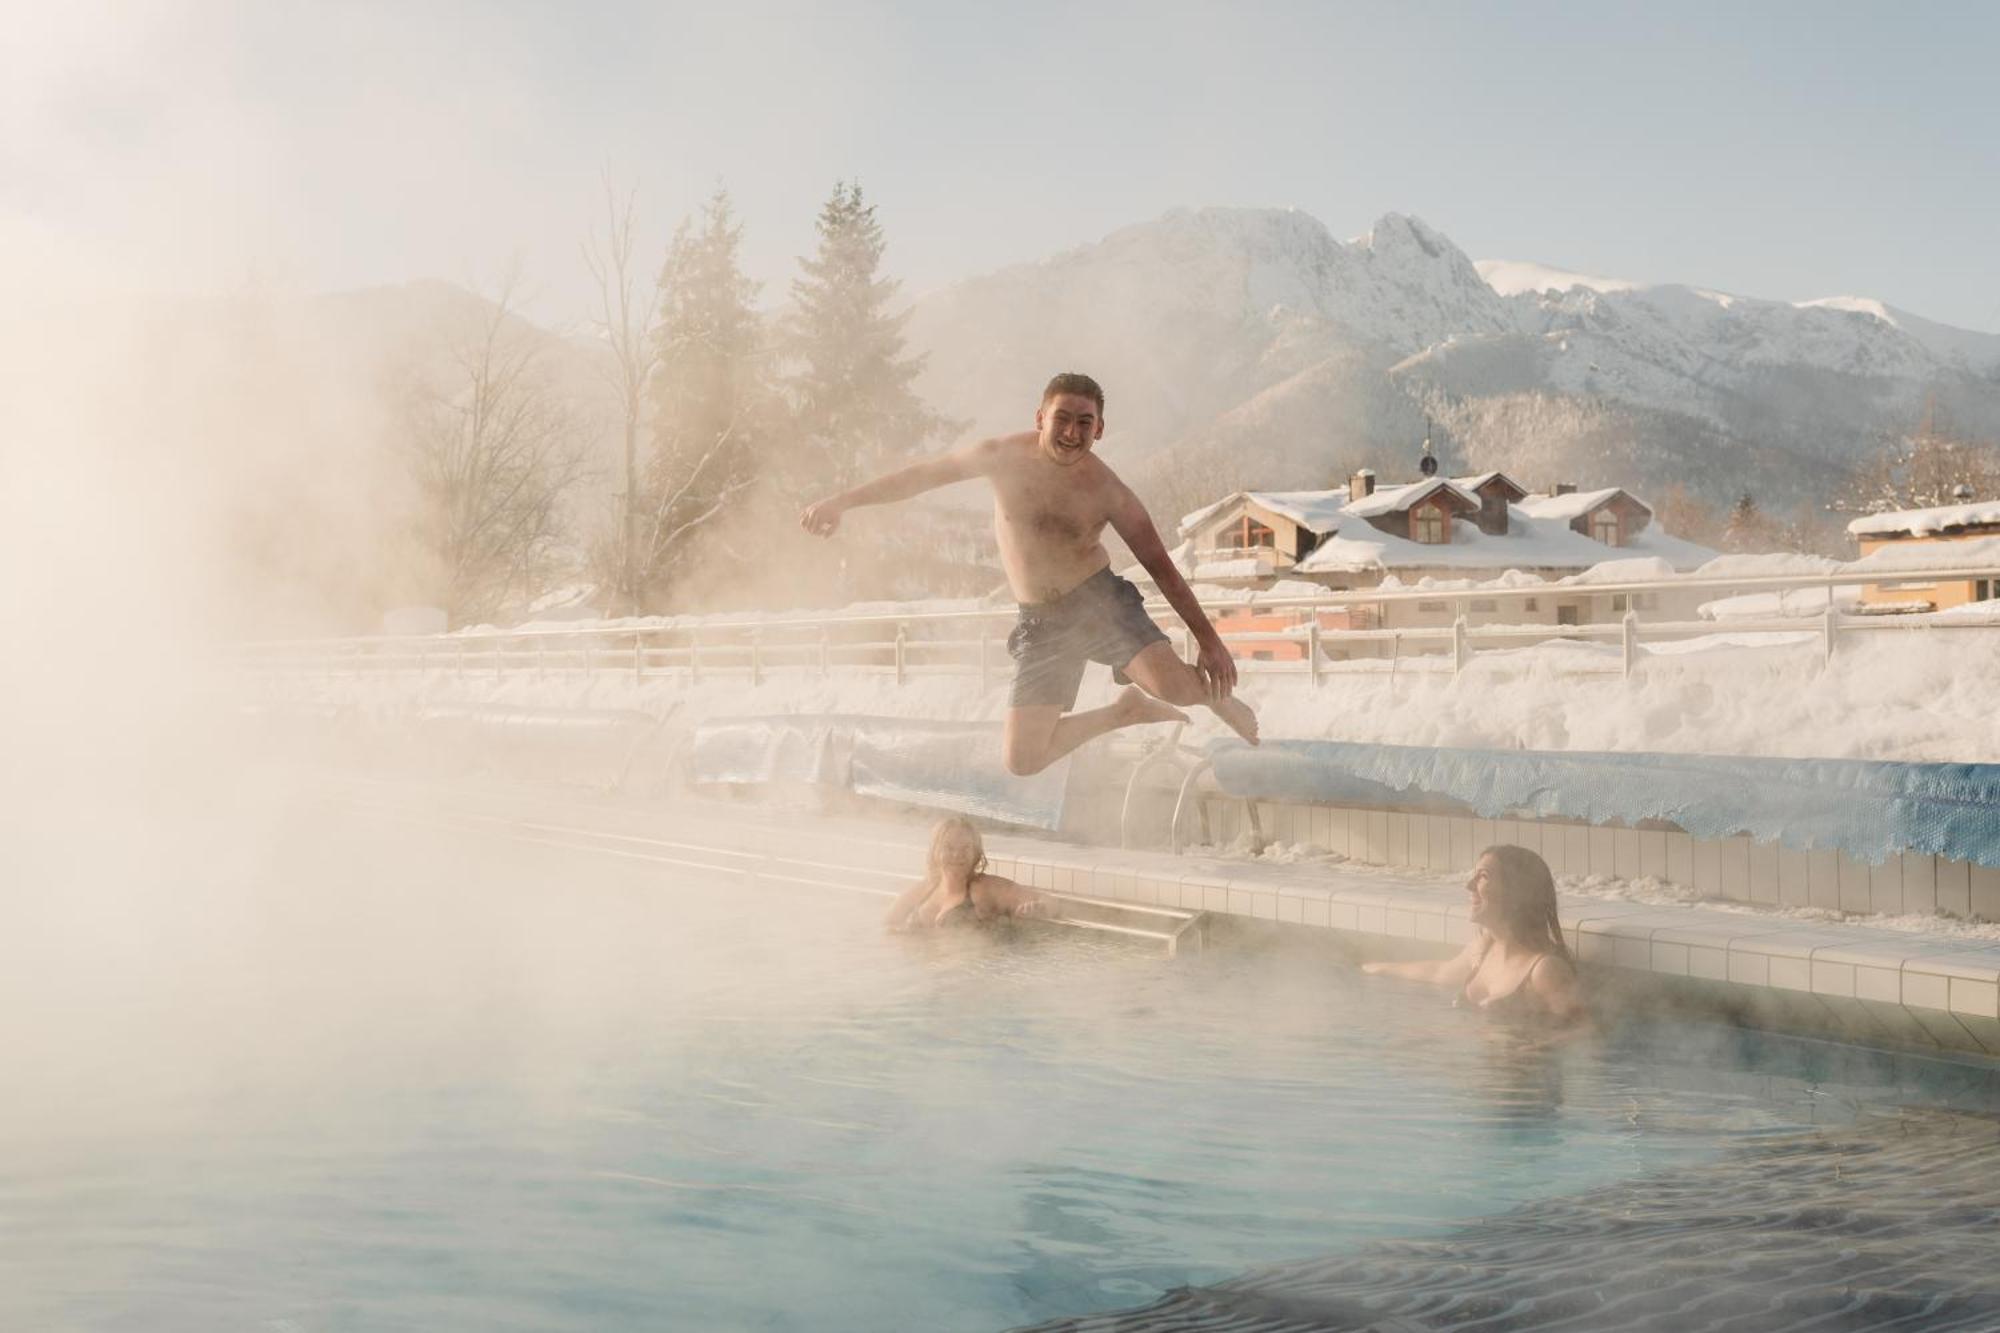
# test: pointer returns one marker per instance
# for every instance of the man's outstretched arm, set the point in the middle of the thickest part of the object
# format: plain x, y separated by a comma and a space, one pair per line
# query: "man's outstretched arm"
822, 516
1130, 521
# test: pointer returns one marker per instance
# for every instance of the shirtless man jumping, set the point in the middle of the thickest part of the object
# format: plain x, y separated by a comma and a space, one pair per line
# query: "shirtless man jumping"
1051, 499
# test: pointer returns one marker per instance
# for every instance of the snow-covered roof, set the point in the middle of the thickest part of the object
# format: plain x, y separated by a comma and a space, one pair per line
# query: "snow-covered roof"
1899, 558
1679, 552
1626, 569
1321, 511
1769, 564
1473, 483
1315, 511
1574, 505
1189, 522
1396, 499
1924, 522
1528, 543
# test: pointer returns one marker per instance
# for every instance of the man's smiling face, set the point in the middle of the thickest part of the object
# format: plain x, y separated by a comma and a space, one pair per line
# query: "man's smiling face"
1069, 423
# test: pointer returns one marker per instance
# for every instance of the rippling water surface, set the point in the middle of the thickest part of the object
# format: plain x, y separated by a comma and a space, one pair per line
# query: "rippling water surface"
356, 1077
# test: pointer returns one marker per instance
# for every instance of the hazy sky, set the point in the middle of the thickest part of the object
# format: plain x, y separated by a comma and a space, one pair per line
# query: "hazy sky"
1776, 150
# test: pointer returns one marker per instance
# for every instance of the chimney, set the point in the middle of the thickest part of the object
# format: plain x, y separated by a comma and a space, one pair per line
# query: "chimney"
1361, 485
1564, 488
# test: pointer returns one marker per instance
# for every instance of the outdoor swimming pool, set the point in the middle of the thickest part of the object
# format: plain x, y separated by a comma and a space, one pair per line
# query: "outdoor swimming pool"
403, 1079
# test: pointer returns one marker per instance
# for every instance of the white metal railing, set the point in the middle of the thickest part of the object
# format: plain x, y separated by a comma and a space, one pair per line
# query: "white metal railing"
965, 642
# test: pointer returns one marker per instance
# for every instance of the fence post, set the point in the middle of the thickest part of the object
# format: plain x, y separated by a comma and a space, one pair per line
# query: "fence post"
1628, 639
1458, 644
1829, 629
1312, 649
902, 647
638, 656
1395, 651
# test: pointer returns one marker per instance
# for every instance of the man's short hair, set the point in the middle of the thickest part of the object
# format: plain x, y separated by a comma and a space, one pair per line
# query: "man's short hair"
1081, 385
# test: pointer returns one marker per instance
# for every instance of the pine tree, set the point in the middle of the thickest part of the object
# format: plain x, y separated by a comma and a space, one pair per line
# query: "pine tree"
711, 397
851, 387
1749, 528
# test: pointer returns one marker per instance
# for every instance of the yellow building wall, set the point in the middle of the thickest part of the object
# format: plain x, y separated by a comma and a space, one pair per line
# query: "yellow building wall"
1915, 588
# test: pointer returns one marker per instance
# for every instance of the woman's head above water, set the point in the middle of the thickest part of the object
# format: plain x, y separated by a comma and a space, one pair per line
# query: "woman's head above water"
956, 849
1514, 898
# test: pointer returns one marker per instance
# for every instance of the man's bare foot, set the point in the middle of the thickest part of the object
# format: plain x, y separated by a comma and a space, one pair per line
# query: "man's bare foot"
1236, 715
1136, 708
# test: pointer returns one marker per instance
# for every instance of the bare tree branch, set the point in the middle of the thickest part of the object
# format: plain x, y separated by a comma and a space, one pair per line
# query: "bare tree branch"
494, 451
621, 321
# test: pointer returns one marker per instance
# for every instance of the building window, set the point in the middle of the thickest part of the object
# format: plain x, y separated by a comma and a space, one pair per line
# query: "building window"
1982, 590
1246, 534
1532, 604
1435, 608
1566, 614
1617, 601
1604, 527
1427, 525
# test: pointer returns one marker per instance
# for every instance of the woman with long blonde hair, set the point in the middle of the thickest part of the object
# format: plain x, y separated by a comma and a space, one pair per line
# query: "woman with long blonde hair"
957, 888
1517, 962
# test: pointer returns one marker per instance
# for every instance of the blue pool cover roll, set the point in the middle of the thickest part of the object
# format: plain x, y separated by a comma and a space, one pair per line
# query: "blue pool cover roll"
944, 765
1867, 809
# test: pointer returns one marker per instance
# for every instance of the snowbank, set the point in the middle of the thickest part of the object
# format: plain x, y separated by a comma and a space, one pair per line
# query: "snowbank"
1725, 694
1788, 602
1925, 522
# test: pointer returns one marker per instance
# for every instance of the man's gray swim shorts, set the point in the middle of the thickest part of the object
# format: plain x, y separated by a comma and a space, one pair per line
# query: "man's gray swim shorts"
1102, 619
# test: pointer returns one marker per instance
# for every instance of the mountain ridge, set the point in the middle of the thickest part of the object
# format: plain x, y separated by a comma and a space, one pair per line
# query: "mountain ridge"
1231, 339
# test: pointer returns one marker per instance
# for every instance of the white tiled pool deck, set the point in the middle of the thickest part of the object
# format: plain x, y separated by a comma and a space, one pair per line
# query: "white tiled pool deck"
1870, 983
1948, 987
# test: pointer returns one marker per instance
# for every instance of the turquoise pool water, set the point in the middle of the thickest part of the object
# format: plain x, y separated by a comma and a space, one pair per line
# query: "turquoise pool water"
359, 1077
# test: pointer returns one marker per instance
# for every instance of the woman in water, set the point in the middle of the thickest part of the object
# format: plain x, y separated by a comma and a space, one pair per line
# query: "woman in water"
956, 888
1517, 963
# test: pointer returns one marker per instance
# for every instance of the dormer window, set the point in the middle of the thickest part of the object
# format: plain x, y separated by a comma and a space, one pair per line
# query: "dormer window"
1604, 526
1427, 525
1246, 534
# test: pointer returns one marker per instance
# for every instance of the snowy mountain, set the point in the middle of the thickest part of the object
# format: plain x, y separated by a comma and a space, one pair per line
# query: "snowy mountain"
1253, 348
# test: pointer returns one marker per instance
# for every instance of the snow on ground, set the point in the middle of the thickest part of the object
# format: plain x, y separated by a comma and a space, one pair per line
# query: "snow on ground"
1785, 602
1971, 613
1764, 694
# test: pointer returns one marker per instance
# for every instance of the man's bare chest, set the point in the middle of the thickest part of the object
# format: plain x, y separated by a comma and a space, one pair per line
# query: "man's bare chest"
1046, 511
